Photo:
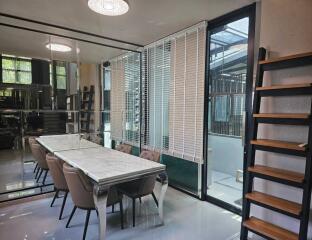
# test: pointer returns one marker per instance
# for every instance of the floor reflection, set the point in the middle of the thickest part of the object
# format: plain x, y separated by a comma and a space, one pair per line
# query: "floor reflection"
17, 178
185, 218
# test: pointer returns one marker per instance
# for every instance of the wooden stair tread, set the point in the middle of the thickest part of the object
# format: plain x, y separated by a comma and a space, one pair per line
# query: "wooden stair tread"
283, 115
278, 144
269, 230
278, 173
284, 86
285, 58
275, 202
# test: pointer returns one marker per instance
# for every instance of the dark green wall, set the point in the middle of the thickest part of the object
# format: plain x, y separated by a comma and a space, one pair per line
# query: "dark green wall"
181, 173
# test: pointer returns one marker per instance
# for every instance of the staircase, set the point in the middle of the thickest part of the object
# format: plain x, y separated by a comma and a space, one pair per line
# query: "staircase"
301, 210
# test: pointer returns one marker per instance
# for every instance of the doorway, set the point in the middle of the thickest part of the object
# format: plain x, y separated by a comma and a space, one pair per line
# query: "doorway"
230, 43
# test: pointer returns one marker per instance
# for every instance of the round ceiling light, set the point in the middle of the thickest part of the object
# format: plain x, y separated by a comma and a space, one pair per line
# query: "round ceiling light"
57, 47
109, 7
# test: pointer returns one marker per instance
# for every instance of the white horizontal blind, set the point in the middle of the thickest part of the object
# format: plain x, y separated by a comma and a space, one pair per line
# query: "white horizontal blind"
156, 77
187, 95
125, 98
173, 94
131, 63
117, 99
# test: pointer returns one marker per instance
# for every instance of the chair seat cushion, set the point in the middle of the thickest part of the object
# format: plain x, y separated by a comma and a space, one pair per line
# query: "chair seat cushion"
138, 188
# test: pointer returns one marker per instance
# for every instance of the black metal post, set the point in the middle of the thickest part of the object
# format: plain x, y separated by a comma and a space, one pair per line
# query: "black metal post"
306, 199
251, 150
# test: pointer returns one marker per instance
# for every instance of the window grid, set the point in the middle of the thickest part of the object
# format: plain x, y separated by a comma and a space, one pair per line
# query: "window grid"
16, 70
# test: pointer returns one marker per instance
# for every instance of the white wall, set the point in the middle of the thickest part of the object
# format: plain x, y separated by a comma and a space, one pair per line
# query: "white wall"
285, 28
226, 154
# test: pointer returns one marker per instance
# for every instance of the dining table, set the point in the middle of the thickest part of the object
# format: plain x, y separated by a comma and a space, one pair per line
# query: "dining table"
106, 168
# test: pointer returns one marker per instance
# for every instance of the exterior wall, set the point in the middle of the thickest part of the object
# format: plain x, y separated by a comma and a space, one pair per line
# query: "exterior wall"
285, 28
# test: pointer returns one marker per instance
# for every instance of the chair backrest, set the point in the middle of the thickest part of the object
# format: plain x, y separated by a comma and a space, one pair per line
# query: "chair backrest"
150, 155
80, 187
31, 141
125, 148
40, 155
56, 169
147, 184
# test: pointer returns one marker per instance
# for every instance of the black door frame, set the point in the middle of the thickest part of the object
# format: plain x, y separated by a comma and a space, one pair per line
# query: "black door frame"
248, 11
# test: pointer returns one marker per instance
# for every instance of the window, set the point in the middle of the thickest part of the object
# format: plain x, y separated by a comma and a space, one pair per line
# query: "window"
125, 98
60, 74
156, 87
173, 94
16, 70
106, 105
6, 93
227, 80
221, 108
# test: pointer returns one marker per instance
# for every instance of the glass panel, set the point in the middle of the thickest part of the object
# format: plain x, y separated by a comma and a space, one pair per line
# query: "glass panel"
16, 70
52, 103
24, 77
61, 82
227, 87
8, 76
8, 64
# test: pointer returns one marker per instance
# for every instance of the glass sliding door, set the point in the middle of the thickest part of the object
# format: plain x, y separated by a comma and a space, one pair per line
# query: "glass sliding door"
228, 79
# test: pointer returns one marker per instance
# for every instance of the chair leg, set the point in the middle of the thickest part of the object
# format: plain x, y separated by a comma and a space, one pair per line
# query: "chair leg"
121, 214
133, 212
35, 167
63, 204
113, 208
38, 169
86, 224
55, 196
71, 216
45, 176
41, 171
155, 199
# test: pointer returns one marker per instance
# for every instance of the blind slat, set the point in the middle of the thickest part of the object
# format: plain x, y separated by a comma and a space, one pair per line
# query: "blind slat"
173, 95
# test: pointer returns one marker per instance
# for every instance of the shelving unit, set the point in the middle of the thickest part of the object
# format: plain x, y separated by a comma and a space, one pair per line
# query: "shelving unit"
301, 210
87, 104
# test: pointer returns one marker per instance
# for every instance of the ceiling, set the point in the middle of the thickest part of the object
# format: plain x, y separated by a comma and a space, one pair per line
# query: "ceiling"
146, 21
30, 44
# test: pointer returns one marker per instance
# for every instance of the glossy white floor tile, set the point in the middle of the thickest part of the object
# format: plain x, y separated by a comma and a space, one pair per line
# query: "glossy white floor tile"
226, 188
185, 218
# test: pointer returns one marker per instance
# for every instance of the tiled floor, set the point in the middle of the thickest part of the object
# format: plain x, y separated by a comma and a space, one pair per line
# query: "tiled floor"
226, 188
185, 218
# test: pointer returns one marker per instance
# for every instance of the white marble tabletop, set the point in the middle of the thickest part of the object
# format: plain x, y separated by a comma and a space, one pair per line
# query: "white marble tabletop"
54, 143
107, 166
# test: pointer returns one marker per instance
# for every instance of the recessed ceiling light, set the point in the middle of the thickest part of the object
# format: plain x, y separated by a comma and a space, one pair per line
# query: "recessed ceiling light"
109, 7
57, 47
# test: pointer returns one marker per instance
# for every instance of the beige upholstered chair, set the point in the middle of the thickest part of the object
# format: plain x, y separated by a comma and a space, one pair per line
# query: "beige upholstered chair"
141, 187
125, 148
81, 190
40, 156
60, 185
32, 140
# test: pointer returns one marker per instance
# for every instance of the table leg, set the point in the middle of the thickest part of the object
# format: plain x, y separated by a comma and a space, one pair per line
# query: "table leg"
164, 186
100, 195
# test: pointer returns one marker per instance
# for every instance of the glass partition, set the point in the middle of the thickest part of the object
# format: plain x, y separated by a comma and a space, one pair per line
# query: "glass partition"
49, 85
